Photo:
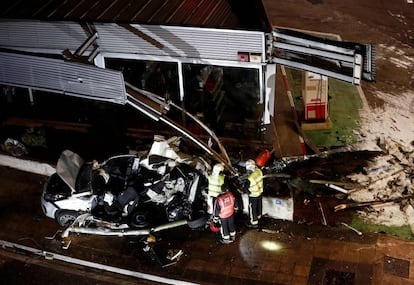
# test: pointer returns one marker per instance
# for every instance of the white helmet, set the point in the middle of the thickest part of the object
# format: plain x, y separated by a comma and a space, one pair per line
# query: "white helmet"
250, 165
218, 168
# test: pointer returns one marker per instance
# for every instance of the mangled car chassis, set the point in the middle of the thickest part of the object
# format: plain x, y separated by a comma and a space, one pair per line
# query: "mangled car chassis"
140, 194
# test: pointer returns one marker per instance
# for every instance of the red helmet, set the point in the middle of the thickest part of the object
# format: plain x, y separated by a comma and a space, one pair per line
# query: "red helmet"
215, 227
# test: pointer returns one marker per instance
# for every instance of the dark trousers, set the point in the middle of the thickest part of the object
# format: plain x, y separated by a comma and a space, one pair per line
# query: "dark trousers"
227, 227
255, 209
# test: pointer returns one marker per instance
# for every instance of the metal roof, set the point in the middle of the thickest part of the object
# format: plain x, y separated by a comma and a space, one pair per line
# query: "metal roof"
229, 14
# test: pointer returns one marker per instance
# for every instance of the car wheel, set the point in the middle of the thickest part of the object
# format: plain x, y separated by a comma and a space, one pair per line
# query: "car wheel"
65, 217
139, 220
199, 221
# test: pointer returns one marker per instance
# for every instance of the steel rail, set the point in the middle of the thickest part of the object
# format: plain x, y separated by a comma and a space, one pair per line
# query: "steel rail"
55, 256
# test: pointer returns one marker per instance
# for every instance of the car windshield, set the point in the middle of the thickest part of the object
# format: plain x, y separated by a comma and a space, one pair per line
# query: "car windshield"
120, 166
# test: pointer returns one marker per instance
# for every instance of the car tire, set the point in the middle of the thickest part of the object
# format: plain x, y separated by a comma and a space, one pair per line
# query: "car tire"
65, 217
139, 220
198, 222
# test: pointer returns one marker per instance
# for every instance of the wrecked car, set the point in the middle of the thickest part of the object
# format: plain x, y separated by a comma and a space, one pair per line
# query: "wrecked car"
140, 191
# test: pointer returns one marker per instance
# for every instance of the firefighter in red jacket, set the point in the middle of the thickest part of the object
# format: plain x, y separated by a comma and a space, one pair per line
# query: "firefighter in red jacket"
224, 207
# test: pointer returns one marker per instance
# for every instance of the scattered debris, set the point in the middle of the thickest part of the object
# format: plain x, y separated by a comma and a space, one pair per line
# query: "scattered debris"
352, 228
14, 147
269, 231
386, 187
174, 254
370, 203
330, 185
164, 259
323, 214
35, 137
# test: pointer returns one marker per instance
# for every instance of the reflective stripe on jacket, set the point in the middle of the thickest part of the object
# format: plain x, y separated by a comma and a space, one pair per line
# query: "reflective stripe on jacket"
256, 183
226, 203
214, 185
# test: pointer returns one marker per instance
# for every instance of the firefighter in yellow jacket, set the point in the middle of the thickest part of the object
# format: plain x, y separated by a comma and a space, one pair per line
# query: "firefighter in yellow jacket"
224, 207
254, 187
215, 183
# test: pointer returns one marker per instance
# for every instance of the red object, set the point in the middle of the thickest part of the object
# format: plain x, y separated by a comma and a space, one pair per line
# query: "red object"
214, 228
302, 145
316, 111
263, 157
226, 202
243, 56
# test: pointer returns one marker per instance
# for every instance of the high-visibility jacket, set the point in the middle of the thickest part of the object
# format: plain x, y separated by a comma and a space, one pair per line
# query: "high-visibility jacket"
226, 205
215, 182
256, 183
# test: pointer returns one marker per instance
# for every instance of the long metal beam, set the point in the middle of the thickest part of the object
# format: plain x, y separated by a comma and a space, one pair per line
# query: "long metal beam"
347, 78
85, 263
346, 61
309, 41
157, 115
161, 106
311, 51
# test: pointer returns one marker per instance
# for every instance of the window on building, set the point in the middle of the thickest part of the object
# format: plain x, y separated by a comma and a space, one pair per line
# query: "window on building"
227, 98
160, 78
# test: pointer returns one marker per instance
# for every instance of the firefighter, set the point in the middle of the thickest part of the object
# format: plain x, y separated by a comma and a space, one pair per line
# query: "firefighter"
215, 183
224, 207
254, 187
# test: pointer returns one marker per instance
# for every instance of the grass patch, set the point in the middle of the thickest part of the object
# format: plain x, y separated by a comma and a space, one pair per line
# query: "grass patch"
344, 104
364, 226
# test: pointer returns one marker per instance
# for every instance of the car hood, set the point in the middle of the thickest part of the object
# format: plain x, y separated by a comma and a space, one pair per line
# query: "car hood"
68, 167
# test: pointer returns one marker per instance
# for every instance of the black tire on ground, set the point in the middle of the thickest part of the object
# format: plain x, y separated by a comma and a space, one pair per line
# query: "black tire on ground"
139, 220
198, 222
65, 217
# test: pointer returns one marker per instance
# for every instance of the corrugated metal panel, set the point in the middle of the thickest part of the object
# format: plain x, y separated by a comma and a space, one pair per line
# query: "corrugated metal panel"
197, 43
41, 35
62, 77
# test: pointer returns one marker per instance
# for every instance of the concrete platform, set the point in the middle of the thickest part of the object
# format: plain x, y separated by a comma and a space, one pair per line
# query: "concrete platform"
312, 126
